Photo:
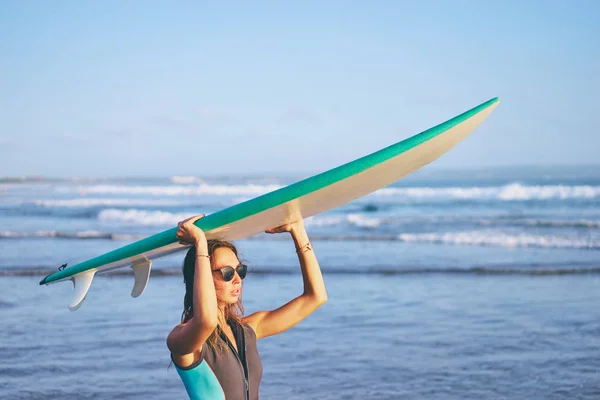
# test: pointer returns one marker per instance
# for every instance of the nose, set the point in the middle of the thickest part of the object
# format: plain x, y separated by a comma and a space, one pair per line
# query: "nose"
236, 277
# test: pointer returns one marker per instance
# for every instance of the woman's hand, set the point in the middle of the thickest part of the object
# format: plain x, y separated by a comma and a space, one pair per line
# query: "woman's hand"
293, 227
188, 233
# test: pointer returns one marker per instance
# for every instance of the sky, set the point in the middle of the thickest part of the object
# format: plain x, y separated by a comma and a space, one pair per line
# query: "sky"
145, 88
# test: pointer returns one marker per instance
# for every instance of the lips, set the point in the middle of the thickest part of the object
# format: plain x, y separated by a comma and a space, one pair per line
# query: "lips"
235, 292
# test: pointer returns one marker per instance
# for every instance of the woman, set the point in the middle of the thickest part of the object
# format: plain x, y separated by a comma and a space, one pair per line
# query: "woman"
214, 347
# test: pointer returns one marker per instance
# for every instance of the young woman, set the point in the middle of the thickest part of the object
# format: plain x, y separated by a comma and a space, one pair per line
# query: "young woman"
214, 348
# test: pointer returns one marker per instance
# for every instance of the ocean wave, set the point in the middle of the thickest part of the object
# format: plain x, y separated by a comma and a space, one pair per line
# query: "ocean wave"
186, 186
509, 192
357, 220
484, 270
99, 202
375, 270
364, 221
370, 222
68, 235
563, 224
467, 238
185, 180
179, 190
497, 239
141, 217
524, 222
160, 218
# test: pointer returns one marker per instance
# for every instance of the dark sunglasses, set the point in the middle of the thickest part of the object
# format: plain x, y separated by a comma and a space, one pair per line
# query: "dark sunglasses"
229, 272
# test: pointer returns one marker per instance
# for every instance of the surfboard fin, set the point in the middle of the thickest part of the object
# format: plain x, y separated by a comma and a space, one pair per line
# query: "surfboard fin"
141, 271
81, 284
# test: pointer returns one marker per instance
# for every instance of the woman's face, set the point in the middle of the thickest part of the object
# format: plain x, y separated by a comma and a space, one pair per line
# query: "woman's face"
227, 292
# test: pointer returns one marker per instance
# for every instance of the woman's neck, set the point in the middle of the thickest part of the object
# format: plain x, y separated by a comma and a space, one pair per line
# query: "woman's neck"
221, 317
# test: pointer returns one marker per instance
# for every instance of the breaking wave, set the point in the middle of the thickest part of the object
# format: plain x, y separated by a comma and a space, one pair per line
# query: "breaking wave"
68, 235
180, 190
186, 186
159, 218
472, 238
98, 202
510, 192
497, 239
141, 217
266, 271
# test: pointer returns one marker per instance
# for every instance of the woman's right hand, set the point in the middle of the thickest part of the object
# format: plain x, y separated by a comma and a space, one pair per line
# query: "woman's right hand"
190, 234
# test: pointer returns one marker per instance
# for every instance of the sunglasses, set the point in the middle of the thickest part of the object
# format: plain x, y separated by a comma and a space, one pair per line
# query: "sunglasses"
229, 272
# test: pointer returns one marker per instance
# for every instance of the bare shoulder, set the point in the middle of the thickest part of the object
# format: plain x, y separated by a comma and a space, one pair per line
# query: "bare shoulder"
174, 337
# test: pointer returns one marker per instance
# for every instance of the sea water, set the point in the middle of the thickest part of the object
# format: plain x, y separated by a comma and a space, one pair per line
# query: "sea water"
448, 284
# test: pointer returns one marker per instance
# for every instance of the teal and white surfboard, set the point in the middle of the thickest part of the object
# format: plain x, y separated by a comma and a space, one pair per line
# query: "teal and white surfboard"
306, 198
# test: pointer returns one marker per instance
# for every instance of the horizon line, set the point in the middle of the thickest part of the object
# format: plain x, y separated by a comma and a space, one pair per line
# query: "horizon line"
436, 169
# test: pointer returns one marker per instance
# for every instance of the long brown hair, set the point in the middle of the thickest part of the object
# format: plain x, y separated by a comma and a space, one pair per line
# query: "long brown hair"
232, 312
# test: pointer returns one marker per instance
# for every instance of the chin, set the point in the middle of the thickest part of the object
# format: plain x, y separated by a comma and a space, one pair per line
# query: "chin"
232, 300
229, 300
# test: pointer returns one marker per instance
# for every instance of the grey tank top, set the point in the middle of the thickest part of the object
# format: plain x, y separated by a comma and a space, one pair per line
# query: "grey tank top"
231, 375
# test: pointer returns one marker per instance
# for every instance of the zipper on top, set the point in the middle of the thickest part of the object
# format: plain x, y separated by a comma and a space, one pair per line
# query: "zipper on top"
243, 367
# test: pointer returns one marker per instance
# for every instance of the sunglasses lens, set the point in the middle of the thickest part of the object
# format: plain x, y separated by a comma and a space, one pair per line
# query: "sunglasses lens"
242, 269
228, 273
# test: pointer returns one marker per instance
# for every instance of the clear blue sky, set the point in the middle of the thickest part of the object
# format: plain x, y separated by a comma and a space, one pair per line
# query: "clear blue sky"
130, 88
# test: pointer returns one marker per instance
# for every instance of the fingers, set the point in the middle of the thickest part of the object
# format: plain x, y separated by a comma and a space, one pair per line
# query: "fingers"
196, 218
193, 219
279, 229
188, 222
187, 232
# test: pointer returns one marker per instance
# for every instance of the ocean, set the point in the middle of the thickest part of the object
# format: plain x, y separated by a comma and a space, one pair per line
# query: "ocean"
448, 284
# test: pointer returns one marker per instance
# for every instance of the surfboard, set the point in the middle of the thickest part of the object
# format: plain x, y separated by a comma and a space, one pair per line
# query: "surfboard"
302, 199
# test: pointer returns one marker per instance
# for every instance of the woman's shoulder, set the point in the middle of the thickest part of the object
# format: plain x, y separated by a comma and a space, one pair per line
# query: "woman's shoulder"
175, 331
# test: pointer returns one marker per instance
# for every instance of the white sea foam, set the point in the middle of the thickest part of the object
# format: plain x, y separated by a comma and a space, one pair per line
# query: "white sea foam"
67, 235
92, 202
479, 238
510, 192
563, 224
363, 222
323, 220
141, 217
182, 190
36, 234
89, 234
11, 234
530, 222
472, 238
185, 180
145, 217
352, 219
516, 191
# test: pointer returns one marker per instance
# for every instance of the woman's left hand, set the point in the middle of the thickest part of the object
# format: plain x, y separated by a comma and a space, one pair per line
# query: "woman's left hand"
291, 227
